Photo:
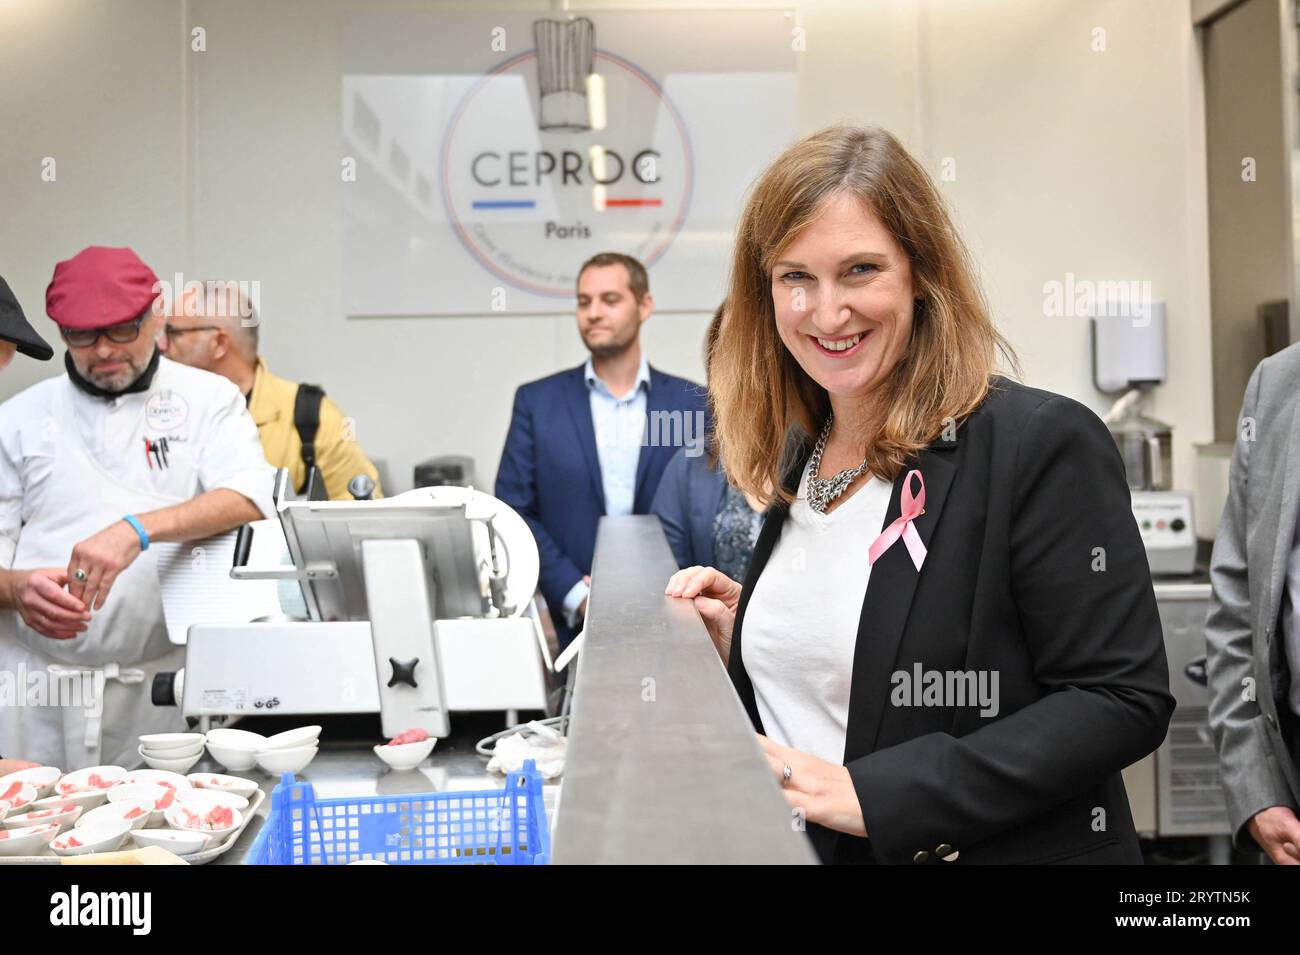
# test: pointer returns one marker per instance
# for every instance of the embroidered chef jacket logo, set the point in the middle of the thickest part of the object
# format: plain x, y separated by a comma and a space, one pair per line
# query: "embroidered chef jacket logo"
166, 410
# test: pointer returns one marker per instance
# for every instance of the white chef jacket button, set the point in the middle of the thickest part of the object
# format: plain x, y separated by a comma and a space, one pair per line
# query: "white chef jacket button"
921, 857
950, 856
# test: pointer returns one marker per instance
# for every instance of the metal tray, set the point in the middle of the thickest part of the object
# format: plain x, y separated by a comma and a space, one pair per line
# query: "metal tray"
197, 858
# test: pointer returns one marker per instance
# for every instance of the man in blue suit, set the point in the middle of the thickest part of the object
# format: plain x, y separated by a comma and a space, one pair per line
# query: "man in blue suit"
594, 440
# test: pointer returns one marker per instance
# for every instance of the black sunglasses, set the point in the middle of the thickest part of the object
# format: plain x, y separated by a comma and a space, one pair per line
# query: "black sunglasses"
120, 334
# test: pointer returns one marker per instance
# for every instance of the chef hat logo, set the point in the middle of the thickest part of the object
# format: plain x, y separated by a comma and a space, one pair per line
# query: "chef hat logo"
565, 52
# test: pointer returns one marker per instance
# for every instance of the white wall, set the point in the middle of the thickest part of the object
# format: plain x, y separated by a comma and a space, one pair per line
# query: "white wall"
101, 97
1074, 161
1068, 161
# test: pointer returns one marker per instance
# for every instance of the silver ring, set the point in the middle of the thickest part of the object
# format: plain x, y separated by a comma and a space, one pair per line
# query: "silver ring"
786, 773
79, 576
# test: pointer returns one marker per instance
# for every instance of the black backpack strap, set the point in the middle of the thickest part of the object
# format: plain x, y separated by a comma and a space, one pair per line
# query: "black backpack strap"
306, 419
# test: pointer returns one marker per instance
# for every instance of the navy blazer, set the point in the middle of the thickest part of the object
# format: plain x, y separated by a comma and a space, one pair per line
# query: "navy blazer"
1036, 574
550, 470
687, 503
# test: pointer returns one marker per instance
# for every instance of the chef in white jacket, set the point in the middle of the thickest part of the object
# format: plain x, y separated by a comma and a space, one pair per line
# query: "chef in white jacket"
125, 450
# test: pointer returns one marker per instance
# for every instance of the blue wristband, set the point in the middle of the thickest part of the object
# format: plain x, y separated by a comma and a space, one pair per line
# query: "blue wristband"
139, 529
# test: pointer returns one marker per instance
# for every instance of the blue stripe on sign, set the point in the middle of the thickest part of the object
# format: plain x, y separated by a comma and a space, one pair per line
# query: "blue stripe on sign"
505, 204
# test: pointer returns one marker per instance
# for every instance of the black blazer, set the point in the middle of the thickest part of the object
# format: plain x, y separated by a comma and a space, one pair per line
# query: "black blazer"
1035, 570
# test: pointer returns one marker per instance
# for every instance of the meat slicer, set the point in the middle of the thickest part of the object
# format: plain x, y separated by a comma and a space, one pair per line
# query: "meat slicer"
412, 606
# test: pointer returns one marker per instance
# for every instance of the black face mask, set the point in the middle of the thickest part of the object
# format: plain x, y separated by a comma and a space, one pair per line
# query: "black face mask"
89, 387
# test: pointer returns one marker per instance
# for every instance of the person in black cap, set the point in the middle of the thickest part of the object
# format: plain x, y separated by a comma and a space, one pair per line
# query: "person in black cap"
15, 332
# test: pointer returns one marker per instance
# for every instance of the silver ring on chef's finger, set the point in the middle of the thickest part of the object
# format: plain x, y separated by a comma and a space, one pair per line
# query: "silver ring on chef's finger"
786, 773
79, 576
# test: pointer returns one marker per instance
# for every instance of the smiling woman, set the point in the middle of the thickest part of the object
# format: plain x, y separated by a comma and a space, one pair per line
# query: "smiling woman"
845, 235
930, 518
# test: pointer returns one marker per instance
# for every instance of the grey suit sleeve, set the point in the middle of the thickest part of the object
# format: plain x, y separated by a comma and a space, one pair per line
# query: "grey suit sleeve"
1252, 780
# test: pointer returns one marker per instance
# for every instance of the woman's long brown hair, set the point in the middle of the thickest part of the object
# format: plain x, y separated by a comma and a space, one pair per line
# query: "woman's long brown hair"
758, 390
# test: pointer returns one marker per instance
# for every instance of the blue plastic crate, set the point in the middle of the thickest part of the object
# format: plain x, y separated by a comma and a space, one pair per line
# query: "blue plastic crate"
495, 827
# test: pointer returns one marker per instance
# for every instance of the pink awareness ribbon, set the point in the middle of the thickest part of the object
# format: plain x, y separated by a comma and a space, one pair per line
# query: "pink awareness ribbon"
912, 508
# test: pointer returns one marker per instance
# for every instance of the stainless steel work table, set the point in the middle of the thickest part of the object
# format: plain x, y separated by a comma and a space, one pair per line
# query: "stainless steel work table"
346, 766
663, 765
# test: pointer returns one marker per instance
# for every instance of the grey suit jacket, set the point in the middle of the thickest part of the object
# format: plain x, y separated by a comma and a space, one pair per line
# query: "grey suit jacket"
1248, 673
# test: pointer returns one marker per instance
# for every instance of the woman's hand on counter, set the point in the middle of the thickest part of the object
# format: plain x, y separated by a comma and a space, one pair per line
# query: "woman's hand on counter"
824, 791
716, 597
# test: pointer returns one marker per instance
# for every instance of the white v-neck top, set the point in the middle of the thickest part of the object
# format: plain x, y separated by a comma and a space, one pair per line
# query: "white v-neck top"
801, 623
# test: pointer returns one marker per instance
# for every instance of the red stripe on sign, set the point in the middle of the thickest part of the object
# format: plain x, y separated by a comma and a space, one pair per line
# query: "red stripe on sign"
612, 203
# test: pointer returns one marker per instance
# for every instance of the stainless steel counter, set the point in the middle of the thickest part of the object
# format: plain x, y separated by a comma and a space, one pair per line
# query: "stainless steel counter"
663, 764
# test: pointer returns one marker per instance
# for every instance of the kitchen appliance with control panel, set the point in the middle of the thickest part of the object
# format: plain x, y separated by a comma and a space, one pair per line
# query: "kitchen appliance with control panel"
1129, 356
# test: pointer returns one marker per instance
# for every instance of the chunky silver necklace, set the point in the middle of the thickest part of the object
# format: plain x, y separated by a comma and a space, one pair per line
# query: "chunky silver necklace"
822, 491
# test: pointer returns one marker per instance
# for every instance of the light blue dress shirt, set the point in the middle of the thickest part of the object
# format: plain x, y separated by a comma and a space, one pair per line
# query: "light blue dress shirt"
619, 424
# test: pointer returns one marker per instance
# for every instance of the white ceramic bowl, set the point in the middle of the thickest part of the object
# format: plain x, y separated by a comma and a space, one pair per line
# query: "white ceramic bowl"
237, 759
42, 777
180, 766
26, 842
159, 776
170, 755
215, 822
106, 836
88, 780
86, 800
161, 742
172, 742
201, 800
17, 796
181, 842
406, 755
277, 761
239, 739
223, 784
63, 818
162, 798
134, 811
235, 749
292, 739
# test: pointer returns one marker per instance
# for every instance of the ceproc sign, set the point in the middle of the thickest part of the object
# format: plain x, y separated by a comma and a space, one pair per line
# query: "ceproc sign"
561, 152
